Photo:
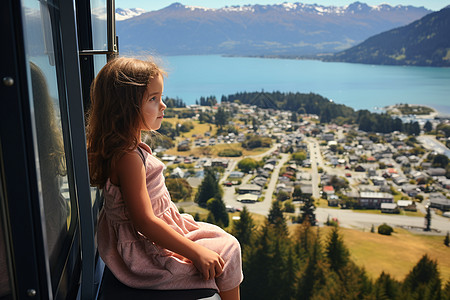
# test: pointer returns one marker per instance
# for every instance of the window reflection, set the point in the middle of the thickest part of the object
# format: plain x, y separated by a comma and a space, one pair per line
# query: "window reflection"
99, 25
51, 161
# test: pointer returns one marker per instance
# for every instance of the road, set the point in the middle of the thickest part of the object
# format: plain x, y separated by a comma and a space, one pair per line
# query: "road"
262, 207
353, 219
316, 160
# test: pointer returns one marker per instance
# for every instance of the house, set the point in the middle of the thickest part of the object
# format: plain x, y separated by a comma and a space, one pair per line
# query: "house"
413, 159
177, 173
249, 189
333, 200
306, 189
385, 188
402, 160
269, 167
292, 168
327, 137
306, 163
217, 162
390, 208
236, 174
360, 168
439, 201
391, 171
436, 172
371, 172
353, 159
410, 189
259, 180
328, 190
399, 180
247, 198
272, 161
282, 187
378, 180
374, 199
426, 165
408, 205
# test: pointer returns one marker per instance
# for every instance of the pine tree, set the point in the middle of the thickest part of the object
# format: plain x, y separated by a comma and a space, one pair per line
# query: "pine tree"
255, 267
305, 239
386, 287
277, 219
447, 240
209, 188
289, 275
308, 211
428, 126
219, 211
314, 275
446, 291
423, 282
428, 219
243, 229
221, 118
336, 252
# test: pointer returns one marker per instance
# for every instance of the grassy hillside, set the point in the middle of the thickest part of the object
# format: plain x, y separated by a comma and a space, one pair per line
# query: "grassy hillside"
396, 254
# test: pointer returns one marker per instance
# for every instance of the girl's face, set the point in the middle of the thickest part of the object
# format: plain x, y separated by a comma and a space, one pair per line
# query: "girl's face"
152, 105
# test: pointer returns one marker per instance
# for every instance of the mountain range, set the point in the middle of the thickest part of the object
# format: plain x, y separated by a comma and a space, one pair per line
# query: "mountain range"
425, 42
281, 29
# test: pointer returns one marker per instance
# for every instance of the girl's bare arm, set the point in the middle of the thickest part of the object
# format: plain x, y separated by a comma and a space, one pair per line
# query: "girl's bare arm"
131, 176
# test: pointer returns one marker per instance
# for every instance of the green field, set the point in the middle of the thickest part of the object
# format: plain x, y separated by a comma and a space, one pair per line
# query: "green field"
396, 254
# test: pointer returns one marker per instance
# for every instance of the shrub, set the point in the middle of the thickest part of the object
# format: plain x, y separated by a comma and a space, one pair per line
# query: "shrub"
230, 153
183, 147
247, 164
385, 229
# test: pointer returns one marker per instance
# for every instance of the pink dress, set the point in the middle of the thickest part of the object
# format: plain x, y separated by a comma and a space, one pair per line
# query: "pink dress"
140, 263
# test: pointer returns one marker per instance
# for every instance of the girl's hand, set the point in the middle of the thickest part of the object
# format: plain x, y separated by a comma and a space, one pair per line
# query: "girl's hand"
208, 262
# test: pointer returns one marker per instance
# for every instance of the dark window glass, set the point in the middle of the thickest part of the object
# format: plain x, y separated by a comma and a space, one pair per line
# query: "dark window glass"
5, 284
58, 207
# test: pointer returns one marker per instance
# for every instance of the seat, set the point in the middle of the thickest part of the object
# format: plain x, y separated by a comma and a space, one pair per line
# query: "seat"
112, 289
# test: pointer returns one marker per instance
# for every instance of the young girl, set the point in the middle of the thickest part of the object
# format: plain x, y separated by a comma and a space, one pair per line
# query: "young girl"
142, 237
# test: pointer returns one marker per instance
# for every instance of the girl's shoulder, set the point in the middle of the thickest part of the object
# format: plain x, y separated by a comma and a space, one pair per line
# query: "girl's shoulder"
130, 164
145, 147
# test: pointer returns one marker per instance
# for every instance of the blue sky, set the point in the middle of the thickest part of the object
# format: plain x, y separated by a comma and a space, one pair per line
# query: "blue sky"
149, 5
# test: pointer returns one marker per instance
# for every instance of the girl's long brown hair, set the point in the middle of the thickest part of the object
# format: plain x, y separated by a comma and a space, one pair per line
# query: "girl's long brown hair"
114, 117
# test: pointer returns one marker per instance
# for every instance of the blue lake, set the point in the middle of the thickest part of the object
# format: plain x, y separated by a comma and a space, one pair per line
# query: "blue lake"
356, 85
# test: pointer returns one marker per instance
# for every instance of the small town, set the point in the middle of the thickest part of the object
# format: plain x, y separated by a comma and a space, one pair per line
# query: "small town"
338, 166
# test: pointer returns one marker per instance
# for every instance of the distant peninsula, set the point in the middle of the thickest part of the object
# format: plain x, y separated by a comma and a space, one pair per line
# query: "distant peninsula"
410, 110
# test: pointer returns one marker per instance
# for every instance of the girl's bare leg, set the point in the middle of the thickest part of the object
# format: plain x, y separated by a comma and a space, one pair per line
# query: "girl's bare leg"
231, 294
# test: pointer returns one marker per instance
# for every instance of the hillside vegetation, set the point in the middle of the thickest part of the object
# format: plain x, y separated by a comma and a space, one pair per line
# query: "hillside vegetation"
424, 42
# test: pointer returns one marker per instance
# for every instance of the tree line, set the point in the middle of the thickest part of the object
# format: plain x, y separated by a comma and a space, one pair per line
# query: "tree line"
305, 265
327, 110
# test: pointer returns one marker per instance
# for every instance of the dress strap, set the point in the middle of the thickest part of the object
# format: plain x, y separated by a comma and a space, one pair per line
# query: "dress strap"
141, 154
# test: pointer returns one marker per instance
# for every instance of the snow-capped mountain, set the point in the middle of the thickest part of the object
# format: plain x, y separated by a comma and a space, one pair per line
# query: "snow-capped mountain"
126, 13
279, 29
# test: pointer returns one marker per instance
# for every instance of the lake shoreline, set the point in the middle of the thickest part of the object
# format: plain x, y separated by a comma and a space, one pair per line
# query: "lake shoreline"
358, 86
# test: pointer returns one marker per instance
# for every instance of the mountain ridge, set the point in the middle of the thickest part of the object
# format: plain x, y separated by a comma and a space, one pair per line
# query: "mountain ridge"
280, 29
424, 42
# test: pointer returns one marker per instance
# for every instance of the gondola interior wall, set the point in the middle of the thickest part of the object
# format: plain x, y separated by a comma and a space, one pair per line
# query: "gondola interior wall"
50, 53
